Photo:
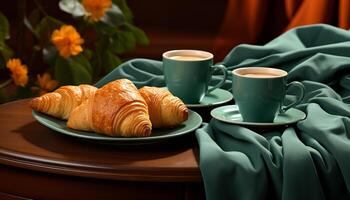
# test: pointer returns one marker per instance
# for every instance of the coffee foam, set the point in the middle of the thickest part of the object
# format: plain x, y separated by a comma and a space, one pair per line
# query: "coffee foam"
259, 72
187, 57
260, 75
179, 55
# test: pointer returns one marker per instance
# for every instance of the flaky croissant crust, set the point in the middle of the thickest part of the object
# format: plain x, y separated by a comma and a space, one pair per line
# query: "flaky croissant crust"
63, 100
116, 109
165, 109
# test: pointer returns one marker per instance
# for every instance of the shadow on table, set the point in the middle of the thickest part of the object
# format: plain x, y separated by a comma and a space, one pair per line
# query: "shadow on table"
55, 142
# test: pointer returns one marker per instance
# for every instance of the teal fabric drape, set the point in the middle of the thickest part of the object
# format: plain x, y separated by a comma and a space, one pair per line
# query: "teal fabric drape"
310, 160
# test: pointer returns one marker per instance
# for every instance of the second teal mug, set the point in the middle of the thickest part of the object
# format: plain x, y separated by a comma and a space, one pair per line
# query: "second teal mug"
259, 93
188, 74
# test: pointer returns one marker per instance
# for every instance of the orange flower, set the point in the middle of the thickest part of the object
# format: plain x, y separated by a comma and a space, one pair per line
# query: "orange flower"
67, 40
96, 8
46, 83
19, 71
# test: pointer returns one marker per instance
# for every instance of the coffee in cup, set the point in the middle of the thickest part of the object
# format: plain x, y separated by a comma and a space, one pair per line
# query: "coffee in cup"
259, 93
187, 57
188, 73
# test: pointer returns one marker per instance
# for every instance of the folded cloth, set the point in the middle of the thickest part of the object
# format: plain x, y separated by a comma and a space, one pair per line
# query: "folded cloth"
308, 161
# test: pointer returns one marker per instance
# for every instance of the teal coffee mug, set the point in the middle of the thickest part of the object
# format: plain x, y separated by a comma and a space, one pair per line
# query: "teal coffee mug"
259, 93
188, 73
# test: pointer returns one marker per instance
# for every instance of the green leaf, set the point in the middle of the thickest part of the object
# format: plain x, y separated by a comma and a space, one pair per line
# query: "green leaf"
32, 21
50, 54
29, 26
72, 7
71, 71
96, 63
79, 71
62, 71
116, 45
88, 53
127, 40
140, 35
34, 17
125, 9
103, 29
122, 41
81, 59
4, 28
113, 17
102, 42
110, 61
45, 28
5, 51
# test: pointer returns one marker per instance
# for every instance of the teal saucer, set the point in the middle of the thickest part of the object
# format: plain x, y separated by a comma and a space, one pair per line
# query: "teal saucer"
158, 135
231, 114
216, 97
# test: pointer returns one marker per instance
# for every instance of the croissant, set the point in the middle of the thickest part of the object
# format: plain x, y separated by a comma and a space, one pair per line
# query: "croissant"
62, 101
116, 109
165, 109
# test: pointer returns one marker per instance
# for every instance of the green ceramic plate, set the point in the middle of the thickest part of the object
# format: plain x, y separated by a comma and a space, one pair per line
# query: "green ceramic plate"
216, 97
230, 114
192, 123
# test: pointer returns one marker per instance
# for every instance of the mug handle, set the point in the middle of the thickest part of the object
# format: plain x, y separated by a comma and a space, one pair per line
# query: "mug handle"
222, 82
301, 95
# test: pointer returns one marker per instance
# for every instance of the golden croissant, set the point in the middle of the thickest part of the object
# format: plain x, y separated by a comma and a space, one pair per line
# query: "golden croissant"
165, 110
116, 109
62, 101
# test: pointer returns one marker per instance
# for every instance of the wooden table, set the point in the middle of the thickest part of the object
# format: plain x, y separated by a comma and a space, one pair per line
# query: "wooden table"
38, 163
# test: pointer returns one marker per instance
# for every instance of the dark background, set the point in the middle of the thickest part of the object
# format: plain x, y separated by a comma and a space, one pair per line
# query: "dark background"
176, 24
